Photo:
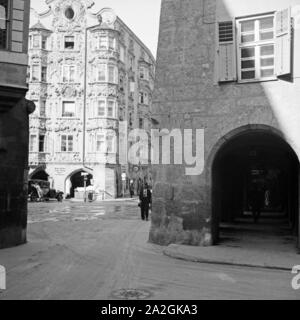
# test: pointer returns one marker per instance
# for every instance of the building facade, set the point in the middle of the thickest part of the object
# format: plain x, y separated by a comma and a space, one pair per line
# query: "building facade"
230, 68
89, 73
14, 121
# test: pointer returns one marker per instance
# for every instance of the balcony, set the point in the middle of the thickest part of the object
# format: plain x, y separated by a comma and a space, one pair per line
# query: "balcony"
38, 158
103, 158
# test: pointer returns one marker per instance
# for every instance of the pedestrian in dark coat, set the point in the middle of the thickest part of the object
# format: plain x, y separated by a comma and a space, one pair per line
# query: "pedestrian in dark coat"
145, 201
256, 201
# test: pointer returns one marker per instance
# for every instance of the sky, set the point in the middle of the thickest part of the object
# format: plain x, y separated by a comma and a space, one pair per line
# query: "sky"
141, 16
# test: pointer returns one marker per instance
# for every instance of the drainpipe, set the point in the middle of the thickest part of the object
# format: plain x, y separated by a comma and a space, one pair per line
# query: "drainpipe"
84, 99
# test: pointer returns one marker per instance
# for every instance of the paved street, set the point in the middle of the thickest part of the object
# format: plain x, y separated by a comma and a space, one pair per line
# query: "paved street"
91, 251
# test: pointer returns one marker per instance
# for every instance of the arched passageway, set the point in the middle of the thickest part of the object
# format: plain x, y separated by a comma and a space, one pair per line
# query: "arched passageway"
40, 175
76, 180
255, 177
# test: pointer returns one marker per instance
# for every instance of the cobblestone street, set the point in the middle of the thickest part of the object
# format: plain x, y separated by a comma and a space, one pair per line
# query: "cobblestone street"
99, 250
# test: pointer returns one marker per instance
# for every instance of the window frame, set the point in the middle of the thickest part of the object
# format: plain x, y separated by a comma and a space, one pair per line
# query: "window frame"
38, 66
33, 142
8, 23
62, 110
256, 44
74, 42
66, 75
67, 142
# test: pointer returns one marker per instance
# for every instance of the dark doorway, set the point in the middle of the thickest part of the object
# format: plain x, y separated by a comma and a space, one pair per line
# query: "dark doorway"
40, 175
77, 181
251, 161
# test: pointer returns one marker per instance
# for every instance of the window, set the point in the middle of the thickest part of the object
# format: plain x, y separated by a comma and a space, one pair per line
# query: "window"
101, 73
66, 143
68, 109
131, 63
43, 109
144, 73
111, 43
36, 41
35, 74
256, 48
103, 42
69, 42
69, 74
122, 53
41, 143
32, 143
44, 74
141, 123
101, 108
100, 143
111, 74
4, 23
143, 98
110, 108
110, 143
121, 83
44, 42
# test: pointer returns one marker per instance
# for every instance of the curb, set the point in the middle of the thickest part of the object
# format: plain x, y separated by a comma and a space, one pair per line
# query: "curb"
172, 252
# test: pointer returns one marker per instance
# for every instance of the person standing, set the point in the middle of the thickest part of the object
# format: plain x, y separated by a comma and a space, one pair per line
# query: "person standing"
145, 201
256, 200
131, 188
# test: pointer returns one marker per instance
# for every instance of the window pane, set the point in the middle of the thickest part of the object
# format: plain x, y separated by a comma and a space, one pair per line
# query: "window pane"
101, 108
267, 50
267, 62
267, 73
100, 143
248, 75
110, 143
247, 38
70, 143
247, 64
69, 42
266, 35
36, 41
3, 24
68, 109
110, 109
63, 143
72, 73
35, 73
111, 74
247, 26
248, 52
101, 72
41, 143
266, 23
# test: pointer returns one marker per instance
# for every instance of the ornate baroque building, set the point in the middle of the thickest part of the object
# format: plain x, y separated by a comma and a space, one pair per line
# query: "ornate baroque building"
88, 72
14, 121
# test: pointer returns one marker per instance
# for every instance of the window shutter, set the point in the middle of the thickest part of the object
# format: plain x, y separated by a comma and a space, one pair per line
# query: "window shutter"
283, 42
226, 51
17, 25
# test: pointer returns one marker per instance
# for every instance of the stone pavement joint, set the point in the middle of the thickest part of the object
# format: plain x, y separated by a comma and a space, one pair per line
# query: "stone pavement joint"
234, 256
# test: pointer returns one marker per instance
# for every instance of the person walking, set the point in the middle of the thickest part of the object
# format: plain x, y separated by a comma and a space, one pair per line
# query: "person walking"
131, 188
256, 201
145, 201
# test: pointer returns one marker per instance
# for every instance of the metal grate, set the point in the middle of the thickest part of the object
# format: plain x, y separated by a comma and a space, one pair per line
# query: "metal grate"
226, 31
131, 294
3, 23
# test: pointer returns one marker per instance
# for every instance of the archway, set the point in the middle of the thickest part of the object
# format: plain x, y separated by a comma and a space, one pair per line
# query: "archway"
254, 158
39, 174
76, 180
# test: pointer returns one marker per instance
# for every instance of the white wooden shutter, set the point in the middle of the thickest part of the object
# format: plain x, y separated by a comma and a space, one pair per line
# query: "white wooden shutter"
226, 51
283, 42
